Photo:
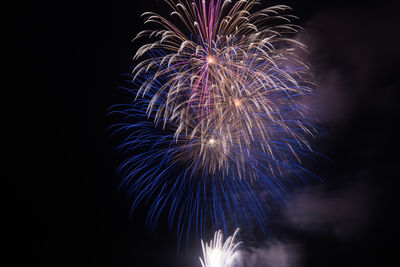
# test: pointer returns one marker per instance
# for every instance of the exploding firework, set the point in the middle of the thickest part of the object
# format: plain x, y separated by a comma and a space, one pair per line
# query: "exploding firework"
219, 253
216, 119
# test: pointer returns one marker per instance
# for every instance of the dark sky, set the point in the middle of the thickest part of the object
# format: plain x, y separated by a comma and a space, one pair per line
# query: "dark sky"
64, 60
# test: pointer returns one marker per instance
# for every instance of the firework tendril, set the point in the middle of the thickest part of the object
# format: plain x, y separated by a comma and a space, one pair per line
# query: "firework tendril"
216, 121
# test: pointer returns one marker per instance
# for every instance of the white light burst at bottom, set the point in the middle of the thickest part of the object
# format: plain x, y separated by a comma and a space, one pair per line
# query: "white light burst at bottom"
219, 253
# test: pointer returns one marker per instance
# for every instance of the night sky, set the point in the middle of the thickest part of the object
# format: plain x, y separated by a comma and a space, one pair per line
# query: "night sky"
64, 61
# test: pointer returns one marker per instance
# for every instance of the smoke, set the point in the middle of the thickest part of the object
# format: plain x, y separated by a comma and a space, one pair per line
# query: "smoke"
271, 254
342, 213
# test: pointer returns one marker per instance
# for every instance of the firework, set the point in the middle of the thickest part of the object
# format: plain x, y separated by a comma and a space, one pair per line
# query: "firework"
219, 253
222, 78
217, 118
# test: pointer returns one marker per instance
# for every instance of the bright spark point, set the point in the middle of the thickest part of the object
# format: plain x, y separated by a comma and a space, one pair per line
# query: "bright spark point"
237, 103
210, 60
212, 141
219, 254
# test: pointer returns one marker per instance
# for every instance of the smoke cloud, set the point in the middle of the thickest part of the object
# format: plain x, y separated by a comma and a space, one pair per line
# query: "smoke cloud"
343, 213
271, 254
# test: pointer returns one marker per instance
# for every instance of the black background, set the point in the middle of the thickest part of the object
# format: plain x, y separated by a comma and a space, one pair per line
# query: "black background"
64, 60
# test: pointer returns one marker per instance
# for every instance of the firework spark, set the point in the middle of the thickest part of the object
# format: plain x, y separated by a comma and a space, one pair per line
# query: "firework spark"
219, 253
216, 116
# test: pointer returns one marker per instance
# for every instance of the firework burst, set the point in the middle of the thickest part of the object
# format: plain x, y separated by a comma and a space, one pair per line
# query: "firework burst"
219, 253
216, 117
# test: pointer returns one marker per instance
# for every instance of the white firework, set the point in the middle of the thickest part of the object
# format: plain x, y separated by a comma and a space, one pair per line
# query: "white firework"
218, 253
